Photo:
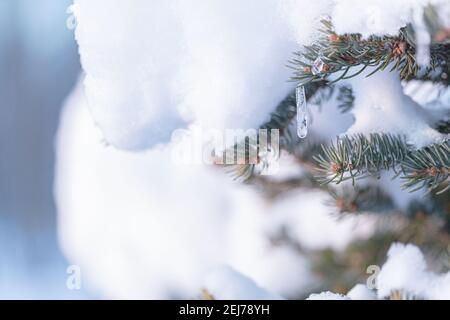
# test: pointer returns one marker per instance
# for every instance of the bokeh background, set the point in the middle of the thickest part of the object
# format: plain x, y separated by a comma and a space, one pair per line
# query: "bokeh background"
39, 65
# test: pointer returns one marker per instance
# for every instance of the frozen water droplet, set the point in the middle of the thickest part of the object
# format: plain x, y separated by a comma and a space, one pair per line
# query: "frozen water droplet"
302, 112
318, 66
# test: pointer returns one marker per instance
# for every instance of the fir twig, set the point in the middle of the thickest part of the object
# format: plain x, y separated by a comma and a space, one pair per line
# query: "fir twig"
369, 199
345, 98
338, 55
358, 156
428, 168
280, 119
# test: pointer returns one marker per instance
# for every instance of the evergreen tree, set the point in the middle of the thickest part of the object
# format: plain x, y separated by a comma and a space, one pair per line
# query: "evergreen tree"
322, 70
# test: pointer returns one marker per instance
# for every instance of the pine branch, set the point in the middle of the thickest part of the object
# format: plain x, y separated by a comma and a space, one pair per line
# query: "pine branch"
337, 55
358, 156
370, 199
439, 32
247, 150
443, 126
323, 95
428, 168
345, 98
343, 94
280, 119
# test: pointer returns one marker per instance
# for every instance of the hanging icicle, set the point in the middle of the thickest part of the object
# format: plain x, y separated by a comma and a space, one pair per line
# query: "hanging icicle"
302, 111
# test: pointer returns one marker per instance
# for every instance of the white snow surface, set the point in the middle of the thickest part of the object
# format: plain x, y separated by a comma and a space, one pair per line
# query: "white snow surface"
224, 283
379, 17
406, 270
141, 226
381, 106
154, 66
361, 292
327, 296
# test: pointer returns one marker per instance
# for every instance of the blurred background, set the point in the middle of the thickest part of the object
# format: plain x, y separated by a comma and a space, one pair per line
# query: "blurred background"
39, 65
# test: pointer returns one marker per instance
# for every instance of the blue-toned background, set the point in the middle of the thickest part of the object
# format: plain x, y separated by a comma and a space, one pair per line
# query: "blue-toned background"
39, 65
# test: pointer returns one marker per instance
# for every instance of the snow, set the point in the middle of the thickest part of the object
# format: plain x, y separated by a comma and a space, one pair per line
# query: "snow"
392, 186
435, 98
327, 121
423, 37
162, 65
327, 296
224, 283
131, 61
406, 270
140, 225
380, 17
381, 106
423, 92
304, 17
311, 223
361, 292
137, 227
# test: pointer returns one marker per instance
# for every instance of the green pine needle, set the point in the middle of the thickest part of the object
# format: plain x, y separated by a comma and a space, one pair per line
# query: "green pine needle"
354, 157
341, 54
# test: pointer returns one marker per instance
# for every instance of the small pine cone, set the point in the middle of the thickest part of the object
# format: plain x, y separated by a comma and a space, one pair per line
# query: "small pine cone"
334, 38
433, 171
415, 173
340, 204
399, 48
307, 69
335, 168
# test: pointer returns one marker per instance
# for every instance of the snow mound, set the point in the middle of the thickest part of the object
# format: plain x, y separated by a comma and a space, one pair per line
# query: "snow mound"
379, 17
327, 296
140, 226
381, 106
406, 270
163, 65
361, 292
224, 283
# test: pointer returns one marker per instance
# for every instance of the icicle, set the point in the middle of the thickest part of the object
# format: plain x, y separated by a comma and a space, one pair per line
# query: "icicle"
302, 112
